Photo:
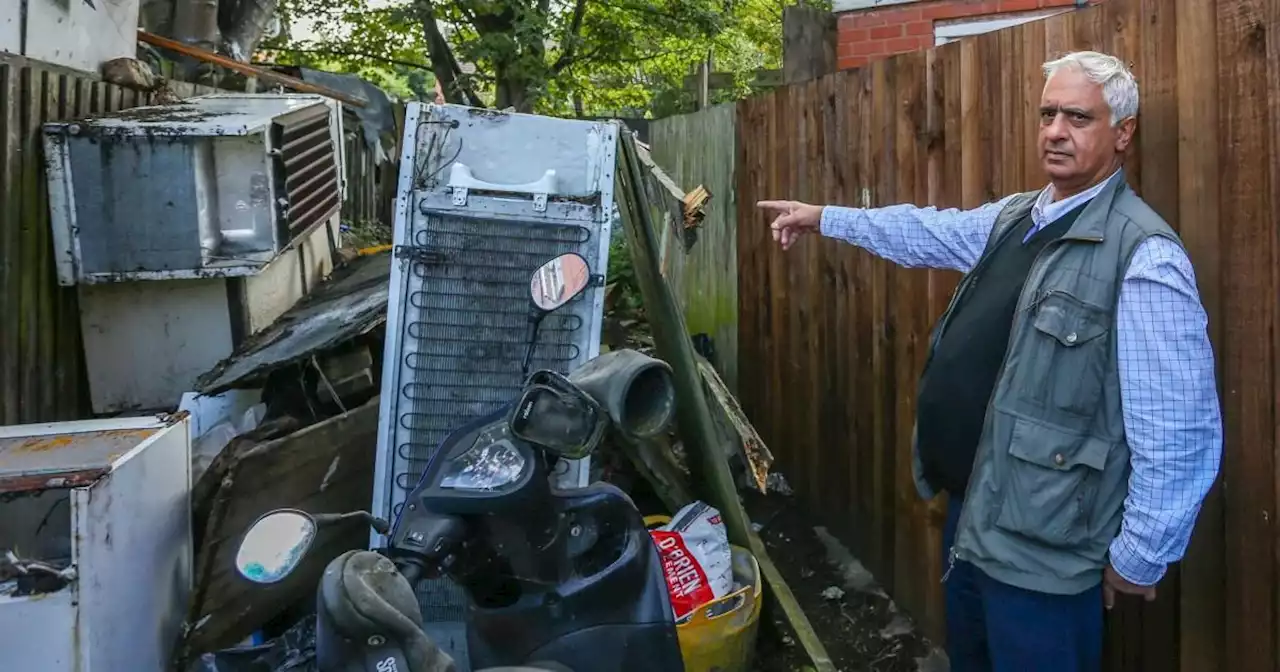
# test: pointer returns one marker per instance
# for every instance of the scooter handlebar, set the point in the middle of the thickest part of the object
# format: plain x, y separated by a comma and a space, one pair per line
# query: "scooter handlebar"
412, 571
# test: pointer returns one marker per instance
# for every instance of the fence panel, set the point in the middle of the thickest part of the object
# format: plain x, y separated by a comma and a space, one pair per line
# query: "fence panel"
831, 339
699, 149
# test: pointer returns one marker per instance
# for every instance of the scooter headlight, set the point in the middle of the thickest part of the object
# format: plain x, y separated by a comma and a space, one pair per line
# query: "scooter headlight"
487, 465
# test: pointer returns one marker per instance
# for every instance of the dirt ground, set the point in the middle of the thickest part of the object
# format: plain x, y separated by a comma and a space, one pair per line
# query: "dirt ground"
859, 626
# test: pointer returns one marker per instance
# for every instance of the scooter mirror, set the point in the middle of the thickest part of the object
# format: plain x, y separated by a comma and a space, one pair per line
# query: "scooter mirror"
556, 282
274, 545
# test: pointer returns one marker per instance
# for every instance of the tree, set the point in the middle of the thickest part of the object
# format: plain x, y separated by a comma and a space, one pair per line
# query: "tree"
550, 56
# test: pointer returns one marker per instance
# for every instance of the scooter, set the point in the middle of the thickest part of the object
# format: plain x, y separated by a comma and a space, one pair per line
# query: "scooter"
564, 580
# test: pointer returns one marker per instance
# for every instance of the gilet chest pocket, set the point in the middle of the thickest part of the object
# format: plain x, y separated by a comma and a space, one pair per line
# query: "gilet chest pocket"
1068, 362
1050, 484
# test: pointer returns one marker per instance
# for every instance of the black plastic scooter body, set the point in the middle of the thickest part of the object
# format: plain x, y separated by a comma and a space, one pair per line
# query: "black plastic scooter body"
611, 614
570, 577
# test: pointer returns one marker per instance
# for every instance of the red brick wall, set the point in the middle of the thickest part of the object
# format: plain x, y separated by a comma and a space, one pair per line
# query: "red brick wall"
876, 33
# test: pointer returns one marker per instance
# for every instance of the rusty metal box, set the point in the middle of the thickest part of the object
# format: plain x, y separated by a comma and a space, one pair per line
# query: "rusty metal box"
98, 515
213, 186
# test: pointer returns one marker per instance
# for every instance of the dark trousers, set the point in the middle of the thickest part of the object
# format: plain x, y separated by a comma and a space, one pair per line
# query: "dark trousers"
995, 627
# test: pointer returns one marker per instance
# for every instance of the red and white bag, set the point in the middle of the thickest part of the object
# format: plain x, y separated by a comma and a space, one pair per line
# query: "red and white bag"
696, 558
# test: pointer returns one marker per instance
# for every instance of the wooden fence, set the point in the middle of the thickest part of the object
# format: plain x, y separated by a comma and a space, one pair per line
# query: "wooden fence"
832, 340
698, 149
42, 376
371, 186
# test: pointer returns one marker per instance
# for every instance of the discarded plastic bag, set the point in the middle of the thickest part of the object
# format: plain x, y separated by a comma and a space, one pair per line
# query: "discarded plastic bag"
293, 651
696, 558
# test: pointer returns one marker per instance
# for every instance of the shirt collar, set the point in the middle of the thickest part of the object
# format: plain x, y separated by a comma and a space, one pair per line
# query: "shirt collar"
1046, 211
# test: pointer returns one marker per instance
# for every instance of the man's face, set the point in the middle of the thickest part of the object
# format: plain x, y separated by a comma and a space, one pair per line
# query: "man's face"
1078, 144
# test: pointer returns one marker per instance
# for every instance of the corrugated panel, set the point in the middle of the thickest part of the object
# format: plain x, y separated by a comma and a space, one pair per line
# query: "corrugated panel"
41, 367
457, 319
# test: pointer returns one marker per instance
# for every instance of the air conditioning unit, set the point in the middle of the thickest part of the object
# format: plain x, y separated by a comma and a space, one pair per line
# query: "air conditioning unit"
213, 186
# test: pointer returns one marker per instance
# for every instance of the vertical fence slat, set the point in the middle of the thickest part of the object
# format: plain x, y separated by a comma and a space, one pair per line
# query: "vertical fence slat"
1248, 309
10, 195
1271, 32
1202, 638
33, 83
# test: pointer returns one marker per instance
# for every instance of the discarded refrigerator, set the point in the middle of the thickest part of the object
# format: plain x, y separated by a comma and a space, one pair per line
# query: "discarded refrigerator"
484, 198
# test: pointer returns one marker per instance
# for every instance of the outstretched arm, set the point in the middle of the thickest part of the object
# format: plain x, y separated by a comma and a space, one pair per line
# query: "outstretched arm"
916, 237
904, 234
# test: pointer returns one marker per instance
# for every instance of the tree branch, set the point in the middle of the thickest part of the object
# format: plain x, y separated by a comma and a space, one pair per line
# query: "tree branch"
358, 54
571, 38
443, 63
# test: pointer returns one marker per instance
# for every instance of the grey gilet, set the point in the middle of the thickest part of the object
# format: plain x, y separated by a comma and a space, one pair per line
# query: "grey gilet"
1049, 480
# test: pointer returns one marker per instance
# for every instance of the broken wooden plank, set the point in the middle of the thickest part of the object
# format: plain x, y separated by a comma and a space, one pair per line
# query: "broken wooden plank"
785, 602
324, 468
695, 203
669, 198
692, 412
753, 449
247, 70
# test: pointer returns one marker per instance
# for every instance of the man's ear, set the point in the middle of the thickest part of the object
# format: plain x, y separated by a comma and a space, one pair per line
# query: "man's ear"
1124, 133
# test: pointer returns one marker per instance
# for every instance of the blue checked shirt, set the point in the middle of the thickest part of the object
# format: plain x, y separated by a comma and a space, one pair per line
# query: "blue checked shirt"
1172, 420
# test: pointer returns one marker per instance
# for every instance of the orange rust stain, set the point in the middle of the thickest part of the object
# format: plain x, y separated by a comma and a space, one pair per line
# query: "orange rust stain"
43, 444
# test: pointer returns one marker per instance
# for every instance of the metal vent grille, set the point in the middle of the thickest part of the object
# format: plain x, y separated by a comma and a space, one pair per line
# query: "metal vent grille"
310, 175
467, 315
463, 336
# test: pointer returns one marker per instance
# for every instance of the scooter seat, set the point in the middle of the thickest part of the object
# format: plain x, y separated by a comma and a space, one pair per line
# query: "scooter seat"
363, 595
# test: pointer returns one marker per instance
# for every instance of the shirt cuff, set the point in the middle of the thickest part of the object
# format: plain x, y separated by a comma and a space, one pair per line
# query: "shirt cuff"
837, 222
1131, 566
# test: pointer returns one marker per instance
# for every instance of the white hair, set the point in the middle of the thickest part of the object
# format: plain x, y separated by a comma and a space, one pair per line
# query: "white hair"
1119, 87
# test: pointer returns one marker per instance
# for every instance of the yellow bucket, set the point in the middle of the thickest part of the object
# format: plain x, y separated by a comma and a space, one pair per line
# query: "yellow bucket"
720, 636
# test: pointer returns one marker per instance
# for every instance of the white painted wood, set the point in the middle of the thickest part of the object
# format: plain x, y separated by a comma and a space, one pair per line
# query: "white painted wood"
11, 26
281, 284
146, 342
73, 34
859, 5
949, 31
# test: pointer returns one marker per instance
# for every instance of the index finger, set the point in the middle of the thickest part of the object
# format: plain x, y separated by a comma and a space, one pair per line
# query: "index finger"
783, 207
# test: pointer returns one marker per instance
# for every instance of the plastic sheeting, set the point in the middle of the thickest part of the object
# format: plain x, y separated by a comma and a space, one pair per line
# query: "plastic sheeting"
292, 651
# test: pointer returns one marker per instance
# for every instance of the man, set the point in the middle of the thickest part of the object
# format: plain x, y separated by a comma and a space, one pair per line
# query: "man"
1068, 404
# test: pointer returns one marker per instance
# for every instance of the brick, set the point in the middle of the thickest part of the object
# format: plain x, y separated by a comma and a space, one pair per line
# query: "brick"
944, 10
1019, 5
902, 44
871, 20
905, 15
854, 35
887, 32
847, 21
851, 62
867, 48
920, 28
955, 9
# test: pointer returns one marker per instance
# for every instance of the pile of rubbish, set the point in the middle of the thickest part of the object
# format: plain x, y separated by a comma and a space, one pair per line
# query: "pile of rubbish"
291, 423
